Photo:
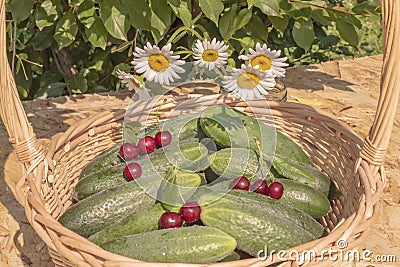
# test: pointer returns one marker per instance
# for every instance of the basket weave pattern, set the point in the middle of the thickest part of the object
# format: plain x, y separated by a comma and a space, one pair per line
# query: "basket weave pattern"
355, 166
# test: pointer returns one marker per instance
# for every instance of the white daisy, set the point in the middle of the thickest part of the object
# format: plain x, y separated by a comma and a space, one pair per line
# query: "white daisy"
134, 84
267, 59
210, 54
158, 65
249, 82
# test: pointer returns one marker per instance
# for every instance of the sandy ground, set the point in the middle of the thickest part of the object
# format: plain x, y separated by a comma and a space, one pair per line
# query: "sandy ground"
348, 90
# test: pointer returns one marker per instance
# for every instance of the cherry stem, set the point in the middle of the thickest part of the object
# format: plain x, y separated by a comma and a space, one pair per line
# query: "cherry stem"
121, 157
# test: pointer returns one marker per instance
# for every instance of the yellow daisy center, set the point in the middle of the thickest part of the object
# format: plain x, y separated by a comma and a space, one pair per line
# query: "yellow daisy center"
133, 81
210, 55
158, 62
248, 80
263, 62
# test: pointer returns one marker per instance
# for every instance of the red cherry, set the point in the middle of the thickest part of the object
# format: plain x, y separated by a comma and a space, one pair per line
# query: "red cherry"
275, 190
241, 183
163, 138
132, 171
260, 187
190, 211
128, 151
146, 145
170, 219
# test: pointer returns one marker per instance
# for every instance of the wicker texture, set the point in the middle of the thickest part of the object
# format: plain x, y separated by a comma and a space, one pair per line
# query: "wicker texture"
356, 166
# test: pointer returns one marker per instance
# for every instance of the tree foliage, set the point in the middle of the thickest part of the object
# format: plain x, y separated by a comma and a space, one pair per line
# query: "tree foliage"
61, 47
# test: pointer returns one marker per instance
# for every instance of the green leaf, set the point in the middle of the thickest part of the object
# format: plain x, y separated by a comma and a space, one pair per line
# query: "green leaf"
329, 41
299, 10
46, 14
321, 16
368, 6
20, 78
303, 33
156, 36
114, 19
86, 13
21, 57
269, 7
53, 90
227, 22
77, 84
347, 32
50, 76
246, 42
75, 2
97, 33
161, 15
43, 39
280, 23
123, 67
20, 9
22, 92
212, 9
101, 59
352, 20
243, 17
138, 13
182, 10
257, 29
251, 3
66, 29
319, 3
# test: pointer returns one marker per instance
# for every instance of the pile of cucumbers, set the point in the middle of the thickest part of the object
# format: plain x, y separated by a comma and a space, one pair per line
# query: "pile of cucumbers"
207, 153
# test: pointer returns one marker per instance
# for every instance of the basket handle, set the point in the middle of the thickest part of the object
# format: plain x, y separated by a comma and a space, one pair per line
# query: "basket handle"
20, 131
377, 141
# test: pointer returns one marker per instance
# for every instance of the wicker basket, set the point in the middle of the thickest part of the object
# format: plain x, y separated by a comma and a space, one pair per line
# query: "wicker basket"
356, 166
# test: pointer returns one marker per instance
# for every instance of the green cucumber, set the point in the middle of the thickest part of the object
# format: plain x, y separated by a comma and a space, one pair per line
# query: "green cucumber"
144, 220
96, 182
284, 146
97, 211
301, 218
303, 173
234, 162
112, 177
234, 256
194, 244
288, 212
110, 157
304, 198
192, 155
189, 153
255, 227
231, 128
105, 160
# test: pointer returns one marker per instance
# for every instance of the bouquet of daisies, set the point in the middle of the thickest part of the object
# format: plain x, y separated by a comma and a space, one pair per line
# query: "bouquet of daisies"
253, 80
